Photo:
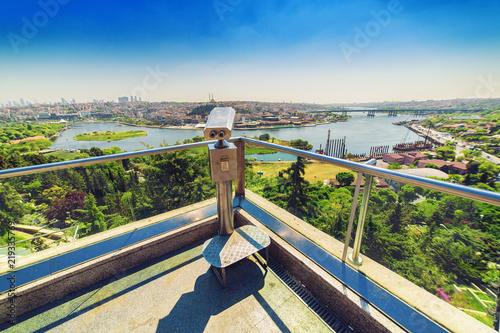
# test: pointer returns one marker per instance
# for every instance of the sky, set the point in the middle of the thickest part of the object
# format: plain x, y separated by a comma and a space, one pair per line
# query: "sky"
335, 51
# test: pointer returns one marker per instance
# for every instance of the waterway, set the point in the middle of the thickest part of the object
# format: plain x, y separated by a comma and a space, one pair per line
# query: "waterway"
361, 134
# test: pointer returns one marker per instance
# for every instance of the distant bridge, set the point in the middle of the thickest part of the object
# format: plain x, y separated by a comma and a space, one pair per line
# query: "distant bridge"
393, 112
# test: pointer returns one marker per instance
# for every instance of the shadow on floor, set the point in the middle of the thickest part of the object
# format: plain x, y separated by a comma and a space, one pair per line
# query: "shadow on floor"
193, 310
76, 304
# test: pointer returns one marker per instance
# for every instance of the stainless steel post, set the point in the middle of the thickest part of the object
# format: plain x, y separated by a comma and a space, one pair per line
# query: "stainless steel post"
355, 258
351, 217
225, 207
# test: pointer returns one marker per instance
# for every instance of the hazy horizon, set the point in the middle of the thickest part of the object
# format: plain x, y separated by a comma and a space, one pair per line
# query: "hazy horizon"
323, 52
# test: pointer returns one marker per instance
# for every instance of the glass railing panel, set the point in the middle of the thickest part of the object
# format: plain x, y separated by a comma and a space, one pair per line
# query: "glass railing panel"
306, 188
443, 243
99, 197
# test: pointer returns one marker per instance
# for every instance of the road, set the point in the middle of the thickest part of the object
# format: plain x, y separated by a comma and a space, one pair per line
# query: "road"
442, 137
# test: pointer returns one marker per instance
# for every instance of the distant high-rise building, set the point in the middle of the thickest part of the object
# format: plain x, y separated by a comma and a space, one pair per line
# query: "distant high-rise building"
73, 101
123, 99
22, 101
135, 98
63, 101
131, 98
140, 99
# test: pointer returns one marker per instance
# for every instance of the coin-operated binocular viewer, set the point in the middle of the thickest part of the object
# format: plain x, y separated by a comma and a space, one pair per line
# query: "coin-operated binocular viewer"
223, 164
230, 245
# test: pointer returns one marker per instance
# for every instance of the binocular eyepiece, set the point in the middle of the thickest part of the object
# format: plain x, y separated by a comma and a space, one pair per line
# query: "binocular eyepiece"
214, 134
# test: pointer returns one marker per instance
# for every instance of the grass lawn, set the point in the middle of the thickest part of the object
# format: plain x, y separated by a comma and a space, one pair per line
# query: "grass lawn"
315, 171
19, 235
464, 299
483, 296
63, 154
109, 135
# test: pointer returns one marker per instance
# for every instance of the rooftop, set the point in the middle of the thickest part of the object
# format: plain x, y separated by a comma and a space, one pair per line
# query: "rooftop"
177, 293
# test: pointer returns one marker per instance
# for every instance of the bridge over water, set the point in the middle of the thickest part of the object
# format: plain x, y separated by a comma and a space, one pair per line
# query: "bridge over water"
394, 112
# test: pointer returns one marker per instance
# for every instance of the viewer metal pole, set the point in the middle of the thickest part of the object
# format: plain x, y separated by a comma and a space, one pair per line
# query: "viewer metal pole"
225, 207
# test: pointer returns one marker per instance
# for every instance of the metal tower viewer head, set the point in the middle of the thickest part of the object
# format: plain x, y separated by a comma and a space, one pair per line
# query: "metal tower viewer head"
219, 124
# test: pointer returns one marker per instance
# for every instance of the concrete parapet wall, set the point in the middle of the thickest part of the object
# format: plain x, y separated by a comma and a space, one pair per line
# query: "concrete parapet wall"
65, 282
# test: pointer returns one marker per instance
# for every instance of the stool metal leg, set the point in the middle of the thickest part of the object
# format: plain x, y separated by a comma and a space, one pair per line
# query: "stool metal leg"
220, 277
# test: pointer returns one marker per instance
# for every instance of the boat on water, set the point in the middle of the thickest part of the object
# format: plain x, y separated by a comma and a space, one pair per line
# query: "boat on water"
412, 146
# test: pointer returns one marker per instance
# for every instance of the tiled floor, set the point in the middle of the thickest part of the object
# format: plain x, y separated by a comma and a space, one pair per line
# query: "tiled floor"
177, 293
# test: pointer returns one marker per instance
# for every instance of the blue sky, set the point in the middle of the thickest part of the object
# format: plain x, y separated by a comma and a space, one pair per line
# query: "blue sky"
300, 51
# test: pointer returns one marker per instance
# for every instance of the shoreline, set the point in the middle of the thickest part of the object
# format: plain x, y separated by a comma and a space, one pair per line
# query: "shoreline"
190, 127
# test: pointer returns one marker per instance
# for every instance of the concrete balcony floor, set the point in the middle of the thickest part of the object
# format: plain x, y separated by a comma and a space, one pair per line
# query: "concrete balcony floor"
177, 293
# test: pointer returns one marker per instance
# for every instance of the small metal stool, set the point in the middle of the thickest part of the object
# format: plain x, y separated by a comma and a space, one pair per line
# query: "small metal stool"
224, 250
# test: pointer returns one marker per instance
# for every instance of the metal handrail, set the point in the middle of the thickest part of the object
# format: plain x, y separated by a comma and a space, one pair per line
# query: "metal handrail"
472, 193
467, 192
23, 171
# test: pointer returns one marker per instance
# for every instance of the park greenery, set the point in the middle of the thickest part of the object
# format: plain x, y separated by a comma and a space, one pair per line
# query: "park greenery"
109, 135
103, 196
18, 131
433, 239
404, 231
254, 149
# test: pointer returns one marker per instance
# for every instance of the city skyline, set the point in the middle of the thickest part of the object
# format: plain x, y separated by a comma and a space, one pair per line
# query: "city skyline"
312, 52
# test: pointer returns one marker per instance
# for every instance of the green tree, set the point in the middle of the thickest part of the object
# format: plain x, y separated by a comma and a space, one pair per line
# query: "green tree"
295, 185
301, 144
445, 153
473, 167
94, 214
344, 178
387, 195
12, 206
394, 166
395, 219
264, 137
408, 194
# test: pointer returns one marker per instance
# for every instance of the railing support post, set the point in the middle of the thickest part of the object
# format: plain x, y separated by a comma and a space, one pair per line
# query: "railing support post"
351, 217
240, 178
354, 257
76, 232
